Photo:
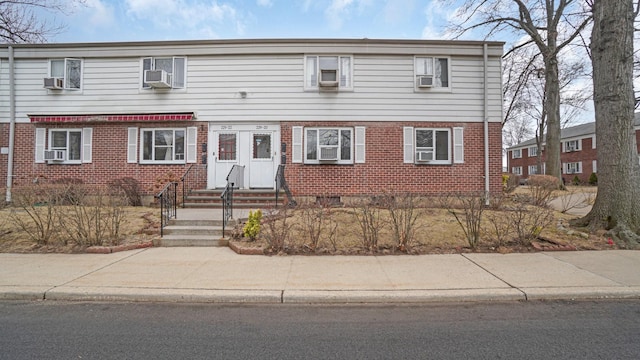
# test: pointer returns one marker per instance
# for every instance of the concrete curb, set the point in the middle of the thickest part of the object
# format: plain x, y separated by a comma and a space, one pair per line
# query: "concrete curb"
399, 296
164, 295
582, 293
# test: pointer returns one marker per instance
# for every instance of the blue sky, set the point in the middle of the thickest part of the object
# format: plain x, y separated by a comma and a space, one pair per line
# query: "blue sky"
134, 20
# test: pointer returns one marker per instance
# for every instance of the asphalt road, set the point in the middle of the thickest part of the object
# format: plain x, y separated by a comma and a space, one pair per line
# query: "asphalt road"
531, 330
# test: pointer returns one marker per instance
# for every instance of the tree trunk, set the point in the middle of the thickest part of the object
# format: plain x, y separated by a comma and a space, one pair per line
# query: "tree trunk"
552, 108
617, 205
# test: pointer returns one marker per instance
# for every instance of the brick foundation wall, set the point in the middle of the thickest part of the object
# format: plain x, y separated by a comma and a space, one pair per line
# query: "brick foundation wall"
384, 168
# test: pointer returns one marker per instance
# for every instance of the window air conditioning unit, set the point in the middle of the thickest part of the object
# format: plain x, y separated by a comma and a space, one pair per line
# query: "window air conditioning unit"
329, 78
425, 81
54, 155
424, 156
52, 83
328, 153
158, 79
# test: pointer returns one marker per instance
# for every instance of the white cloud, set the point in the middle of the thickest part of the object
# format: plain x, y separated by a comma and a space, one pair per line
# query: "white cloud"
264, 3
93, 14
437, 15
186, 15
398, 11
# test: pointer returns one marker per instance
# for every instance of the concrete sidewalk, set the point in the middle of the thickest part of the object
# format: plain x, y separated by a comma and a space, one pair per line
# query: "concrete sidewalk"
218, 275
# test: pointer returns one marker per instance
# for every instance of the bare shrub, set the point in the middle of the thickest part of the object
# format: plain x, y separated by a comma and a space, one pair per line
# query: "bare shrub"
131, 189
498, 227
276, 229
510, 182
541, 188
467, 209
370, 222
573, 199
403, 213
94, 217
35, 212
315, 220
529, 221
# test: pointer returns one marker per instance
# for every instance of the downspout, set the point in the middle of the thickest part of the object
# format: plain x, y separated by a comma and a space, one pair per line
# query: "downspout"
12, 124
485, 51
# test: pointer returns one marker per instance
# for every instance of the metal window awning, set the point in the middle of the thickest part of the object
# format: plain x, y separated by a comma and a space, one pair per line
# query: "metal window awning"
102, 118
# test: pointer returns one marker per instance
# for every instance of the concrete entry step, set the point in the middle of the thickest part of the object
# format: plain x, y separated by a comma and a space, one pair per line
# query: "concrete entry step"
192, 240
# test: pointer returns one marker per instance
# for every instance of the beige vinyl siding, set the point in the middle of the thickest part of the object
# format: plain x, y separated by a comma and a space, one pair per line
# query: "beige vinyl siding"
383, 84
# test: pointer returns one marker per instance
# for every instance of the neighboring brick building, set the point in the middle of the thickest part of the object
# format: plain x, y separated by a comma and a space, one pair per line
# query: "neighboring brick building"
347, 117
579, 157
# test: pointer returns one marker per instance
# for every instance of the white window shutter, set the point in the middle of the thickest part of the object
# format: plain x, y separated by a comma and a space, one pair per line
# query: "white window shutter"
87, 145
41, 135
296, 144
192, 142
458, 145
564, 168
579, 144
360, 144
132, 145
579, 168
594, 166
408, 144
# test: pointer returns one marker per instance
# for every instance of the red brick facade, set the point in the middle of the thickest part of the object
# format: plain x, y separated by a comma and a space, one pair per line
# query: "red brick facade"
384, 168
586, 156
109, 156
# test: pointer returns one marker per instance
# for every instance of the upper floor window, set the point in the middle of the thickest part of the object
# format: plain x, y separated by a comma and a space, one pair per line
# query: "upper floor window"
516, 153
533, 151
68, 71
431, 72
328, 73
572, 145
164, 72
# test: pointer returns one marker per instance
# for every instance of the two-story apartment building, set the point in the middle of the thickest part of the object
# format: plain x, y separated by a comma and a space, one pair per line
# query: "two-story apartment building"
579, 157
346, 117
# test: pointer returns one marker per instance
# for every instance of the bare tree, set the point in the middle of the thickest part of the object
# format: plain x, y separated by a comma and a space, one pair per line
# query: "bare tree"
524, 94
21, 21
617, 204
549, 25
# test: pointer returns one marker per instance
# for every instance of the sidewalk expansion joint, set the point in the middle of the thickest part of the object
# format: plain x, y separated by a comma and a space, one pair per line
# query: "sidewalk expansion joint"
526, 298
44, 296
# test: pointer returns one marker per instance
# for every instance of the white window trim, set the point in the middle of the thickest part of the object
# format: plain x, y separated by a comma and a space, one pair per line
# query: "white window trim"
64, 76
533, 169
513, 154
566, 168
86, 147
565, 145
434, 88
153, 58
516, 170
141, 153
339, 161
535, 149
455, 152
308, 87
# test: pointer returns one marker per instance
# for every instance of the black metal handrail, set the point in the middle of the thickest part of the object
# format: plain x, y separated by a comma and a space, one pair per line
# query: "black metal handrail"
193, 178
168, 204
235, 180
281, 184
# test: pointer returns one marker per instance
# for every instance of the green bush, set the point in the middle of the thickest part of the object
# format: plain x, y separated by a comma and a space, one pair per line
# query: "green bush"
593, 179
252, 227
576, 180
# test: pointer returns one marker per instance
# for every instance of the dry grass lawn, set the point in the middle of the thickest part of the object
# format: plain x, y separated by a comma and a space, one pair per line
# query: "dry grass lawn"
436, 232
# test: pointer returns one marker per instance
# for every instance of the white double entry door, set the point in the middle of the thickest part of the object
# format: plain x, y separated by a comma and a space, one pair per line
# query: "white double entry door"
254, 147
